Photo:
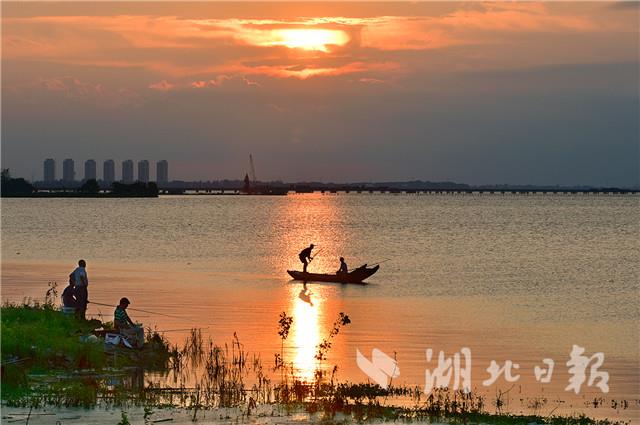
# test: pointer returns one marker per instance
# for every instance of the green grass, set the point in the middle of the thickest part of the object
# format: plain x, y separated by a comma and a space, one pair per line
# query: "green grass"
40, 339
38, 342
43, 339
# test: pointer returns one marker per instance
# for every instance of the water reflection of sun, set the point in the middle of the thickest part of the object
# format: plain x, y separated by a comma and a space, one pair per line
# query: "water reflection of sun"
304, 219
305, 330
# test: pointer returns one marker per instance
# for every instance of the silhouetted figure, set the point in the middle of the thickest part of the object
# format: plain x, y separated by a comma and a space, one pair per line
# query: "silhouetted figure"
81, 283
343, 267
305, 257
69, 294
125, 326
305, 294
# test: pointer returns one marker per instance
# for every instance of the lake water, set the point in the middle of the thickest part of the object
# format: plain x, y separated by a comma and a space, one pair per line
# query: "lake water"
511, 277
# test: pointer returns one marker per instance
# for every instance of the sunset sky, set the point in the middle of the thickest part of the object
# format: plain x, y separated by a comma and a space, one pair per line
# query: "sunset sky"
541, 93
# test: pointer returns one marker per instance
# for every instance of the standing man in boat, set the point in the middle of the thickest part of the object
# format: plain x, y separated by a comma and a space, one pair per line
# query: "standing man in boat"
305, 257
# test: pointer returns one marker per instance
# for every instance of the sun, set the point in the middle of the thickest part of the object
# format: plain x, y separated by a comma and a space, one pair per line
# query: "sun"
308, 38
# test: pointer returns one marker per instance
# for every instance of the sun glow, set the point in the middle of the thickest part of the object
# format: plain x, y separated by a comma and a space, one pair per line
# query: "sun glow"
306, 332
308, 39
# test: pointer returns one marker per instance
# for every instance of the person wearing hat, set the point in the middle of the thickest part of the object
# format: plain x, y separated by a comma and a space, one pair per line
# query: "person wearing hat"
343, 267
125, 326
305, 257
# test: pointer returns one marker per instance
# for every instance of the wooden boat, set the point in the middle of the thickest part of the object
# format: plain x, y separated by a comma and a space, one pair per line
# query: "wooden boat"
355, 276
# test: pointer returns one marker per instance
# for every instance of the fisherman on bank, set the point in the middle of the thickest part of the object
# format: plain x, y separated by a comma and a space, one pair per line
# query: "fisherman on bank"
343, 267
125, 326
81, 284
69, 300
305, 257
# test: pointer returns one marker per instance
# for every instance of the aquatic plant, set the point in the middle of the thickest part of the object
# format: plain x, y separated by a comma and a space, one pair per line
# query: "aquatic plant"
284, 326
124, 419
51, 296
325, 345
208, 375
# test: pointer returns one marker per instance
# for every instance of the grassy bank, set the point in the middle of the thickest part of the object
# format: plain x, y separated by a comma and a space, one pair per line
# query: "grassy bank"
44, 338
44, 348
48, 361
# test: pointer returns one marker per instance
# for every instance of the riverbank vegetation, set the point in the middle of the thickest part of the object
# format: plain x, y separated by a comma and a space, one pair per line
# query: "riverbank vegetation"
50, 359
44, 348
20, 188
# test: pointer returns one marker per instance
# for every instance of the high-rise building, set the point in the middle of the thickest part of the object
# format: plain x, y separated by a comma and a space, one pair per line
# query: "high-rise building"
143, 171
49, 170
162, 172
90, 169
109, 171
127, 171
68, 171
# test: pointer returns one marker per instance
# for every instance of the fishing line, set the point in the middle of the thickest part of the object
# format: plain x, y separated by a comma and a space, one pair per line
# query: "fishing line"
180, 330
140, 310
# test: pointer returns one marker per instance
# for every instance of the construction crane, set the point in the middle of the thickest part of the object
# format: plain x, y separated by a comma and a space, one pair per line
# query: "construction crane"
252, 170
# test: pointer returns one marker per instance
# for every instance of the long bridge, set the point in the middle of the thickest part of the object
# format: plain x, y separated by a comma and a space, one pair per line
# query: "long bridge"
206, 188
352, 190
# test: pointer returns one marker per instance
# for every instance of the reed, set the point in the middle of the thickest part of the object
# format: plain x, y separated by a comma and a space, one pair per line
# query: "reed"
202, 375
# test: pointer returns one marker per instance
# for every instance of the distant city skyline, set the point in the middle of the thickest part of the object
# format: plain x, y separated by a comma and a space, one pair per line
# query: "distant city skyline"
90, 170
484, 93
109, 171
143, 171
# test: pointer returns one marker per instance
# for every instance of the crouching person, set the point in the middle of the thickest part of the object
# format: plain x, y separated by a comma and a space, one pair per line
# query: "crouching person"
125, 326
69, 301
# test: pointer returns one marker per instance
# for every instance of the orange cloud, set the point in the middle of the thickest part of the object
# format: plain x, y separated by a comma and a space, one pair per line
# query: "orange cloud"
371, 81
171, 48
163, 85
302, 72
73, 88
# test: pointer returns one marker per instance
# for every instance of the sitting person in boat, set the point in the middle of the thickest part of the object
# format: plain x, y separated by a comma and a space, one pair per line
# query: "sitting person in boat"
343, 267
305, 257
69, 300
124, 325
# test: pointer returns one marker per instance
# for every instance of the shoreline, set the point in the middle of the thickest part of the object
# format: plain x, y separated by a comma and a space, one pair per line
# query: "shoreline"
217, 384
233, 303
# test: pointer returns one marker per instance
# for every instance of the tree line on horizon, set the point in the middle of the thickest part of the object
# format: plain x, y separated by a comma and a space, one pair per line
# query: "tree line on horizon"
19, 187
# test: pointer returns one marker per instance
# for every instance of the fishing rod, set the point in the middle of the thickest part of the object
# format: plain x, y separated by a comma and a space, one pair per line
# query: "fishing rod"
180, 330
380, 262
372, 264
138, 309
317, 253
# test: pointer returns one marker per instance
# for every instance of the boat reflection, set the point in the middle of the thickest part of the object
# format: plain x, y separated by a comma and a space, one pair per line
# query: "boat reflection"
305, 294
